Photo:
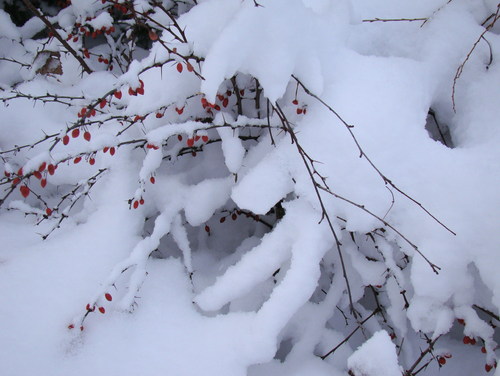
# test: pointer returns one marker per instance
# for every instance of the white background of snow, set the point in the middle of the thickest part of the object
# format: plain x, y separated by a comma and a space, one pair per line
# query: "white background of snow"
384, 87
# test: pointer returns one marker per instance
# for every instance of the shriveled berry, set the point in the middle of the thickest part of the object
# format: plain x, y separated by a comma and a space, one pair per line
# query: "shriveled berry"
152, 35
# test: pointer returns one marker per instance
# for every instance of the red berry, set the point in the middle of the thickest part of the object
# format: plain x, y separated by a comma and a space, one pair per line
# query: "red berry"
189, 67
299, 111
131, 92
25, 191
42, 167
83, 111
461, 321
102, 310
92, 161
112, 151
207, 229
472, 341
197, 138
6, 173
204, 138
441, 360
179, 137
103, 103
466, 340
105, 150
483, 350
108, 297
225, 102
65, 140
48, 211
20, 172
179, 110
51, 169
75, 133
190, 142
81, 328
43, 183
222, 220
234, 216
179, 67
37, 174
16, 181
71, 326
141, 201
140, 91
87, 136
295, 102
159, 115
136, 204
77, 160
86, 53
152, 179
89, 308
118, 94
488, 367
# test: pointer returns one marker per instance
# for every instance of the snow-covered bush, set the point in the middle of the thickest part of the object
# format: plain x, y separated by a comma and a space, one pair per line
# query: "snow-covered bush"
249, 187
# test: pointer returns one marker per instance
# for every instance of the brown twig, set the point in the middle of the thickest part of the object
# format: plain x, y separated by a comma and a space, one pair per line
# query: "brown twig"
44, 19
461, 66
365, 156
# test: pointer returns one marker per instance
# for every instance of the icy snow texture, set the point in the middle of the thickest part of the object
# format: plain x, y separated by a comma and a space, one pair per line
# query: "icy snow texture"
376, 357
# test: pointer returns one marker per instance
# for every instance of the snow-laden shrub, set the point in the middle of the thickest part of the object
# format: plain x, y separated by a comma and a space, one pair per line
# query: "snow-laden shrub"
263, 185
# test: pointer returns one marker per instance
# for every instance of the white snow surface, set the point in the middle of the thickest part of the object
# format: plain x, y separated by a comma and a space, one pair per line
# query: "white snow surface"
230, 247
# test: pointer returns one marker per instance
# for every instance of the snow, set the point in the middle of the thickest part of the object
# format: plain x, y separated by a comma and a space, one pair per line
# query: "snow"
231, 246
376, 357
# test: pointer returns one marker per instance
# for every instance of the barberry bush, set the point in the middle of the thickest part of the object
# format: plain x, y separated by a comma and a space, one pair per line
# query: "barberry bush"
233, 187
